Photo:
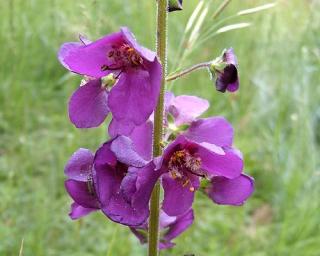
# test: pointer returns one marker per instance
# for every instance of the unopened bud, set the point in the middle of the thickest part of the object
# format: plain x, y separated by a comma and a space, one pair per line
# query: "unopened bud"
175, 5
224, 70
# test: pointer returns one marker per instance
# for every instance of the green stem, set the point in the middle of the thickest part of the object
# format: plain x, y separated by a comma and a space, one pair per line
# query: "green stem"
162, 12
187, 71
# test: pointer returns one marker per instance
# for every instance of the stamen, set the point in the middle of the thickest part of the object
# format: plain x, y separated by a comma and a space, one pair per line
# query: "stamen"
182, 164
110, 54
90, 184
185, 183
124, 55
104, 68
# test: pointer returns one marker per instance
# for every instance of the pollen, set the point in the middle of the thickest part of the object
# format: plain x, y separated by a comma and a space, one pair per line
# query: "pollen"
121, 57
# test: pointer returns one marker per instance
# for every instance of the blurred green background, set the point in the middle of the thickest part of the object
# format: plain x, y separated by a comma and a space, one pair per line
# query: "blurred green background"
276, 115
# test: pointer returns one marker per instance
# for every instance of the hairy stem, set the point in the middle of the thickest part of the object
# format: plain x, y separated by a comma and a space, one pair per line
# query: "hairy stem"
187, 71
162, 12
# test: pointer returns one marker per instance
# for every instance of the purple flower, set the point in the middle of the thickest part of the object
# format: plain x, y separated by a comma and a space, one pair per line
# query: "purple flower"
118, 179
79, 184
204, 151
225, 70
125, 177
116, 58
170, 228
185, 162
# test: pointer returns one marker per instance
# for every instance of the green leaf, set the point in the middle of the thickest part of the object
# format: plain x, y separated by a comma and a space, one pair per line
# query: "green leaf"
257, 9
233, 27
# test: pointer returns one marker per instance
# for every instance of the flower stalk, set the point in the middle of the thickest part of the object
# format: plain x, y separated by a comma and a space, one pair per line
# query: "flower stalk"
162, 12
187, 71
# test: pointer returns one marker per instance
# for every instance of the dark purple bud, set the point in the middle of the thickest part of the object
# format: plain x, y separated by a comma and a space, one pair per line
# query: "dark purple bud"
175, 5
224, 70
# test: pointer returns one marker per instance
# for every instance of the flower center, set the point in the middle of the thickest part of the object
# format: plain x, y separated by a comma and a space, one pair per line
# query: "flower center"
121, 57
182, 164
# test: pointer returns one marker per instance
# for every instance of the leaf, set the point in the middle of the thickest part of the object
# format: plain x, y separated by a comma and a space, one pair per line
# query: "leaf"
194, 16
233, 27
257, 9
197, 27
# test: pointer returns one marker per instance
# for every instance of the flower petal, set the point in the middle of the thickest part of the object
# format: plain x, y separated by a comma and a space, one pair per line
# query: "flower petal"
232, 87
186, 109
146, 179
177, 199
88, 105
107, 183
125, 152
79, 165
65, 50
229, 165
214, 130
163, 245
130, 39
104, 156
230, 57
138, 184
168, 99
182, 222
228, 79
141, 137
120, 211
165, 220
80, 193
77, 211
88, 59
140, 234
231, 191
120, 128
135, 95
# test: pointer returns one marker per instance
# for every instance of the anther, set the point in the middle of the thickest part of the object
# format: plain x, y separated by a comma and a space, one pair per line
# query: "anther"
90, 185
110, 54
185, 183
104, 67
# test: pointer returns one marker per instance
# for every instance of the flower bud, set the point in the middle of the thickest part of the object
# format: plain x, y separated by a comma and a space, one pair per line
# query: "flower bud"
224, 70
175, 5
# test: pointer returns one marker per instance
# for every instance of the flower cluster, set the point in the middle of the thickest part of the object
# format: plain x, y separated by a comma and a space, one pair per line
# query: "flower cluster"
123, 78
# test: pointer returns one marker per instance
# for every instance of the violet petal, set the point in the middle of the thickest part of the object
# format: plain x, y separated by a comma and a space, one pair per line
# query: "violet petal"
77, 211
79, 165
215, 130
177, 198
88, 59
135, 95
231, 191
88, 105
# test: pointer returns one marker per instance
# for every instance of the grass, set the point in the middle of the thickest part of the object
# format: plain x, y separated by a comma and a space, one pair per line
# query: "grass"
276, 116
